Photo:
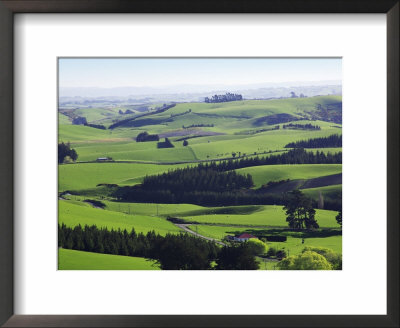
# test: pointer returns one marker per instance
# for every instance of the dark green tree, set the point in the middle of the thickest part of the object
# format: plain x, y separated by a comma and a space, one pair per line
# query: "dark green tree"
65, 150
299, 211
339, 218
237, 257
185, 143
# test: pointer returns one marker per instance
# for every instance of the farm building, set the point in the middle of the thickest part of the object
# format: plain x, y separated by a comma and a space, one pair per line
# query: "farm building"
242, 237
103, 159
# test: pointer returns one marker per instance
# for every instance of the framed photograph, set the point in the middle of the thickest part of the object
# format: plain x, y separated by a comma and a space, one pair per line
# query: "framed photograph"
191, 166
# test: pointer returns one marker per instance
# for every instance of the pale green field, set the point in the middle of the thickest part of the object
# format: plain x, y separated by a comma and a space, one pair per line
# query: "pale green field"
95, 114
78, 133
228, 118
268, 215
134, 151
63, 119
262, 174
69, 259
88, 175
263, 142
152, 209
73, 214
256, 108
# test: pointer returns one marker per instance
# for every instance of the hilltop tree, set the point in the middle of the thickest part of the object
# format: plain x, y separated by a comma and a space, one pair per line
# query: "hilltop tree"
299, 211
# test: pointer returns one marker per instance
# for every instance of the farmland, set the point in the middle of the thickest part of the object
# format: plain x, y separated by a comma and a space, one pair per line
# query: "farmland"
77, 260
214, 133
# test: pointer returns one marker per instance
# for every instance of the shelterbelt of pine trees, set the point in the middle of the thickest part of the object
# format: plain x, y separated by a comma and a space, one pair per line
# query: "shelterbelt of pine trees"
173, 252
293, 156
334, 140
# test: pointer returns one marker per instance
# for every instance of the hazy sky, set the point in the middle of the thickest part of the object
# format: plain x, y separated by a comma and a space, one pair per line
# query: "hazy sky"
122, 72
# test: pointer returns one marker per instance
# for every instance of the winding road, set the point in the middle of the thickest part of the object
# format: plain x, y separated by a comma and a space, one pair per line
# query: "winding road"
186, 228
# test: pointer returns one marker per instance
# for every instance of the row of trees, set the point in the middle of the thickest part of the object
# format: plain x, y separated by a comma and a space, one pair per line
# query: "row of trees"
223, 98
199, 178
65, 151
293, 156
128, 120
172, 252
198, 126
333, 140
307, 126
165, 144
203, 198
145, 136
96, 126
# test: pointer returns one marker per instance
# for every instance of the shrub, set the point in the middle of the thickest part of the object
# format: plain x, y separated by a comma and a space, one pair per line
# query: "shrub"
271, 252
257, 246
307, 260
333, 258
281, 254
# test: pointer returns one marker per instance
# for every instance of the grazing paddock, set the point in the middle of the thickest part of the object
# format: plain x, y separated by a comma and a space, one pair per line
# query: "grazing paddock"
69, 259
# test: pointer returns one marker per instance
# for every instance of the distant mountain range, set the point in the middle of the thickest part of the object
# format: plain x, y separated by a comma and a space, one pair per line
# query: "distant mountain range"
181, 93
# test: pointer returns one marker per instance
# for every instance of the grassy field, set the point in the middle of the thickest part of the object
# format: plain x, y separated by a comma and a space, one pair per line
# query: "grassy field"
329, 192
77, 260
73, 214
240, 128
266, 215
262, 174
241, 117
89, 175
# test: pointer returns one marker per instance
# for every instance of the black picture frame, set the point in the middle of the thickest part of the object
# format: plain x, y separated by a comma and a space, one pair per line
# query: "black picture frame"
10, 7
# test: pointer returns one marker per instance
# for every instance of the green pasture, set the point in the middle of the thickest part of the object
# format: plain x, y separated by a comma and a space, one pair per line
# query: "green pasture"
89, 175
95, 114
214, 147
74, 214
255, 108
152, 209
267, 215
134, 151
63, 119
328, 192
69, 259
265, 173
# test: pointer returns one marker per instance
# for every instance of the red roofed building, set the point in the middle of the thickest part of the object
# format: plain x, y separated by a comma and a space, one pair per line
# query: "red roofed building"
244, 237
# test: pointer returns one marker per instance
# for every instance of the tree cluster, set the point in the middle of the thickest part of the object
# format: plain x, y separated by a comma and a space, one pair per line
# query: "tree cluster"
198, 126
293, 156
145, 136
96, 126
199, 178
165, 144
334, 140
172, 252
203, 198
312, 258
300, 213
65, 150
223, 98
307, 126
